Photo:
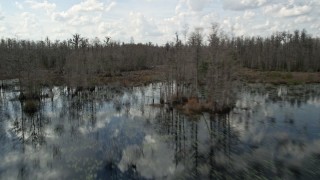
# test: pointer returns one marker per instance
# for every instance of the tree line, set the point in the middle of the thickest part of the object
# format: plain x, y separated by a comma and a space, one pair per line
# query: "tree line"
76, 55
283, 51
202, 66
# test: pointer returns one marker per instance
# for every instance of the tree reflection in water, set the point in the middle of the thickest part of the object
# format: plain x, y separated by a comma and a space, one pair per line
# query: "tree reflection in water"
203, 144
115, 133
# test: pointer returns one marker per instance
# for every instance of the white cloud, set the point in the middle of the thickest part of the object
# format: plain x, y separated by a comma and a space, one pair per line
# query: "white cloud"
84, 7
2, 28
303, 19
248, 14
158, 20
264, 26
110, 6
143, 26
84, 20
294, 11
238, 29
111, 29
28, 20
198, 5
193, 13
270, 9
315, 25
243, 4
135, 25
287, 11
45, 5
208, 19
27, 26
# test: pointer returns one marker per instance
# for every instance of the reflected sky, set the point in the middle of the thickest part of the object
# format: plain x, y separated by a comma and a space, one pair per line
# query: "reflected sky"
116, 133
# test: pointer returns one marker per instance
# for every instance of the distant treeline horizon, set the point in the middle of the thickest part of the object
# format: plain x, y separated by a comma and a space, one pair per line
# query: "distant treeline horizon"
282, 51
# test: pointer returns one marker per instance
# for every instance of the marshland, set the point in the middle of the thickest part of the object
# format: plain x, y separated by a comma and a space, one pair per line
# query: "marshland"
202, 106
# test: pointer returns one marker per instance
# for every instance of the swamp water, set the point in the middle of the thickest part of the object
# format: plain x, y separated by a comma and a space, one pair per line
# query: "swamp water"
116, 133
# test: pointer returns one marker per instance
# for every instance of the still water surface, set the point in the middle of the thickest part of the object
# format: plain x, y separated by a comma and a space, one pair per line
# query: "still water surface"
111, 133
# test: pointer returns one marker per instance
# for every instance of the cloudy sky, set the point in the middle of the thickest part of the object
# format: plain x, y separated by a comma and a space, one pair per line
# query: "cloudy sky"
153, 20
